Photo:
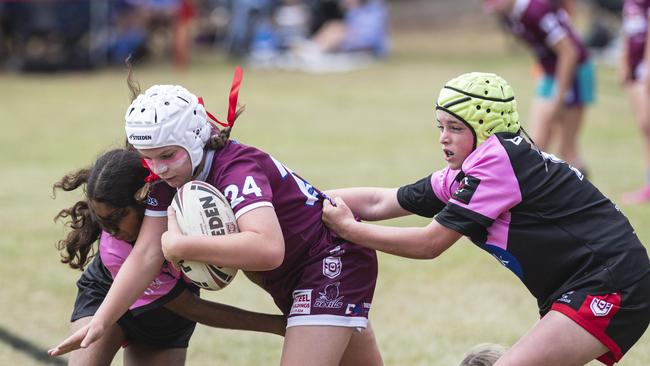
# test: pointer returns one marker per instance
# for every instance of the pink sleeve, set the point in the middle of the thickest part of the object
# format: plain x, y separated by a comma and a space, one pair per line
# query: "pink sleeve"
443, 183
489, 186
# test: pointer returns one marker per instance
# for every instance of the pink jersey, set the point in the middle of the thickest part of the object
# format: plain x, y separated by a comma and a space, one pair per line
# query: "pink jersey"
499, 188
113, 253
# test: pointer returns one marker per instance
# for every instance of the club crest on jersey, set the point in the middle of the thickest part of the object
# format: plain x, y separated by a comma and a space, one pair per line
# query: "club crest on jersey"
600, 307
466, 189
332, 267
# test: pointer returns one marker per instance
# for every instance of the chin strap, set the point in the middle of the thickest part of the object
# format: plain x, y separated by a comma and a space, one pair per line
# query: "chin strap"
232, 100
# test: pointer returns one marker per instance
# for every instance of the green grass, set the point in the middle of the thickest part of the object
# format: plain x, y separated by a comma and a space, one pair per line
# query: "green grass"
371, 127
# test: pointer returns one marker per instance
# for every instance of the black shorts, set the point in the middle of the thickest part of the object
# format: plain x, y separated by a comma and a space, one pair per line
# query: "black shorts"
616, 317
154, 326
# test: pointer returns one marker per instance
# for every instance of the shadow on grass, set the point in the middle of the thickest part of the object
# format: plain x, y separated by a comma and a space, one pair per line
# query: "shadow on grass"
28, 348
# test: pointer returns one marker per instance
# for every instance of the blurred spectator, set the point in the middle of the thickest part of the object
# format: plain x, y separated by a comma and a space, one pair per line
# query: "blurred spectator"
339, 44
363, 28
128, 32
323, 11
167, 24
603, 33
47, 36
246, 16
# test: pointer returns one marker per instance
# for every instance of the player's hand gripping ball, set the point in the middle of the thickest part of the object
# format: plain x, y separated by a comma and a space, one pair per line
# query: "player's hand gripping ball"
202, 210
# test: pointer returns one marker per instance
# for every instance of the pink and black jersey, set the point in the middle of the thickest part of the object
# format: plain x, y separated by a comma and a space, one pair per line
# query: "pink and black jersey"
541, 25
534, 213
113, 252
147, 322
635, 26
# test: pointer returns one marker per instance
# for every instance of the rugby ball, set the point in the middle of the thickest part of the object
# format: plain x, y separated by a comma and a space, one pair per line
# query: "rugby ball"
202, 210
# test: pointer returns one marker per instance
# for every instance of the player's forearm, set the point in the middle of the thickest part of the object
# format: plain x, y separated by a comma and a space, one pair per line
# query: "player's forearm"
248, 251
229, 317
371, 204
409, 242
566, 64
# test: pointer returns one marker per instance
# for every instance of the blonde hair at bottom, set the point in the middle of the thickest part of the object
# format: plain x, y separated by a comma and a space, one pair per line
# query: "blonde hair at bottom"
485, 354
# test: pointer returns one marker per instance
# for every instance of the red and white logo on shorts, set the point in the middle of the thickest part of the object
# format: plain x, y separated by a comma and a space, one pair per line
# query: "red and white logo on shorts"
600, 307
301, 302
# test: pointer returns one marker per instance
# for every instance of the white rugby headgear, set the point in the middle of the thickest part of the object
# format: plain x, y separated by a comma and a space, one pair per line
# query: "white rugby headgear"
167, 115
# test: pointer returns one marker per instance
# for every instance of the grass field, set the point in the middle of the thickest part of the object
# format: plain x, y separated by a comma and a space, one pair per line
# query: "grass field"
371, 127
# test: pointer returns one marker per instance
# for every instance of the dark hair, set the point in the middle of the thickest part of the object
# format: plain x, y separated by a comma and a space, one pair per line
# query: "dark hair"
117, 179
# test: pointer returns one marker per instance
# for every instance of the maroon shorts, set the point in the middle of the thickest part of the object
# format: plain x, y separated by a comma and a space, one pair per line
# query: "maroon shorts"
617, 319
335, 288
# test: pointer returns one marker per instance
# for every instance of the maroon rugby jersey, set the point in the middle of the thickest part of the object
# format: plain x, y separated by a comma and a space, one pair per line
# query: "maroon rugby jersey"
541, 24
250, 178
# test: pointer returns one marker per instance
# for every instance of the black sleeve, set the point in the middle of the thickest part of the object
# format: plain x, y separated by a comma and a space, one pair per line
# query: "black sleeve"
464, 221
419, 198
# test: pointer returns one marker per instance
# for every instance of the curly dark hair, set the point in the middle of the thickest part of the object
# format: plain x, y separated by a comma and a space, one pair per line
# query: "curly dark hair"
117, 179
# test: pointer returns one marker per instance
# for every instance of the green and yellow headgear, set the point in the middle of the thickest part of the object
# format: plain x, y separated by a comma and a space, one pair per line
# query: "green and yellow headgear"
483, 101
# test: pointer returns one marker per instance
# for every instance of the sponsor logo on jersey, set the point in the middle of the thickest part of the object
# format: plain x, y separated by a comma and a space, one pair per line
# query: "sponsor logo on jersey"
336, 251
332, 267
505, 258
301, 302
600, 307
357, 309
152, 201
503, 261
353, 309
329, 298
134, 137
466, 189
153, 286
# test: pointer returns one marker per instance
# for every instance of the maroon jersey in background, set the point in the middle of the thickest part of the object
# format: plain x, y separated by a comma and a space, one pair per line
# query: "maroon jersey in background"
541, 24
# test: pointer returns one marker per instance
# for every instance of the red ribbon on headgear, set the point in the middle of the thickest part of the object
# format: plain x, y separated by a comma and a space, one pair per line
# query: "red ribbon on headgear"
232, 99
152, 177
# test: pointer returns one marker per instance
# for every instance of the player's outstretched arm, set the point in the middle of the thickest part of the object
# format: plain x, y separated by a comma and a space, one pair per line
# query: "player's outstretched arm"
137, 272
218, 315
412, 242
371, 204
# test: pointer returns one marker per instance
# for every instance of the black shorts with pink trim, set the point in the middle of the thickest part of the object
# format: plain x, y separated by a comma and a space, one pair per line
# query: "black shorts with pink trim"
617, 319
